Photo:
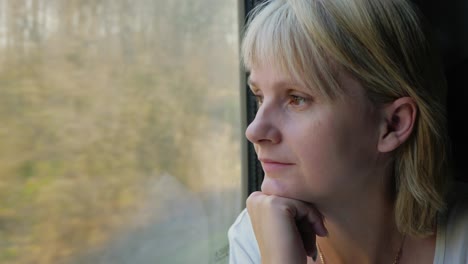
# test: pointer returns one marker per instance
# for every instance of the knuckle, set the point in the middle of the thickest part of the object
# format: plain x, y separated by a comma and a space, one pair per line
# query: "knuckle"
277, 203
253, 199
272, 201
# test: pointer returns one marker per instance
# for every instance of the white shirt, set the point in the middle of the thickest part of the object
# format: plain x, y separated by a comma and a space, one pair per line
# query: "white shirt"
452, 233
451, 242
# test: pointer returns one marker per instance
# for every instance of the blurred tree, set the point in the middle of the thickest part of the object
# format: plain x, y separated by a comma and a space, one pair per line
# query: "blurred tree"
96, 98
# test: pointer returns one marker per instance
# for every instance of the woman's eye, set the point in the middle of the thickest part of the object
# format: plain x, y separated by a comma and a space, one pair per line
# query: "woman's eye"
297, 100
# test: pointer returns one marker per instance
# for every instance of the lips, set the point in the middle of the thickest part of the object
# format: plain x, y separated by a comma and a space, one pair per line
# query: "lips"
270, 166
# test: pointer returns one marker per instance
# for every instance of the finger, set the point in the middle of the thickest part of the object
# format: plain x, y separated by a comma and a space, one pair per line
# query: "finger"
252, 201
308, 237
304, 211
298, 210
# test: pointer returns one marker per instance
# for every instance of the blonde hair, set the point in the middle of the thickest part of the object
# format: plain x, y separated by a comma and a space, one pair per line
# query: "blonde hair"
382, 44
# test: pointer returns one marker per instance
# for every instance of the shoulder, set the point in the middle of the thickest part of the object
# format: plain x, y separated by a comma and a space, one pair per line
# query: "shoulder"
243, 246
452, 233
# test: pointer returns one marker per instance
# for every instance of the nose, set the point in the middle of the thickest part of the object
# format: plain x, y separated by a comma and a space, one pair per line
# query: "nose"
263, 129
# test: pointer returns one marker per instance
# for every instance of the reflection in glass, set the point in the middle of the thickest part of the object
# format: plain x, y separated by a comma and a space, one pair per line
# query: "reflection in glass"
119, 135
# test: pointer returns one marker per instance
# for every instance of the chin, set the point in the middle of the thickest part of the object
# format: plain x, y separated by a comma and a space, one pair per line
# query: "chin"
279, 188
292, 191
273, 187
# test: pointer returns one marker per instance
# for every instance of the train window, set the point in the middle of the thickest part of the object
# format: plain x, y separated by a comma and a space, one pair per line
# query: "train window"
120, 135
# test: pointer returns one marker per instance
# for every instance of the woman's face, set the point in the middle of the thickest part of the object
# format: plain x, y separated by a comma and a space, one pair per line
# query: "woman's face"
311, 148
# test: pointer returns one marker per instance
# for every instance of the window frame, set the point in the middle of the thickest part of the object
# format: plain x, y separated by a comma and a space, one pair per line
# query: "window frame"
251, 166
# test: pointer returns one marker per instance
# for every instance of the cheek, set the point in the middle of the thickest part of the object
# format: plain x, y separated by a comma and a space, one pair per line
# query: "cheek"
333, 152
318, 148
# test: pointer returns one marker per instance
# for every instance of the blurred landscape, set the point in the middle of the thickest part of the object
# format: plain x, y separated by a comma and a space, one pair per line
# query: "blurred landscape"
119, 130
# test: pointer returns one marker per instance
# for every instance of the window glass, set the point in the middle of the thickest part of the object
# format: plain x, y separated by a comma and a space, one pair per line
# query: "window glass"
120, 130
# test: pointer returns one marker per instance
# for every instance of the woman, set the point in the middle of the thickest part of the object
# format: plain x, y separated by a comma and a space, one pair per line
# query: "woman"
351, 135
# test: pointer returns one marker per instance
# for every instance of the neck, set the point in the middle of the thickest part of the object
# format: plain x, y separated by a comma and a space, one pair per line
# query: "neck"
362, 230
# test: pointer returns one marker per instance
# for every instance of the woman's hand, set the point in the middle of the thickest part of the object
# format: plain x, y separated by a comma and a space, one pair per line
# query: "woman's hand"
285, 228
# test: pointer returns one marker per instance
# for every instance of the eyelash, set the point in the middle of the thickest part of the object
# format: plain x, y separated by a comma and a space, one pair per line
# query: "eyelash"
259, 99
295, 100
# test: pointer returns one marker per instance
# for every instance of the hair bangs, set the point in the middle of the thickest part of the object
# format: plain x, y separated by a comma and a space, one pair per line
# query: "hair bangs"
275, 36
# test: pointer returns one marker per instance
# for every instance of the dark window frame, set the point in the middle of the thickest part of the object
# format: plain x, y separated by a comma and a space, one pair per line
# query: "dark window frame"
253, 167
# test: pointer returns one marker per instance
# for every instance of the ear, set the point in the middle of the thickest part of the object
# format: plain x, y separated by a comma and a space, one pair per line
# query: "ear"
397, 123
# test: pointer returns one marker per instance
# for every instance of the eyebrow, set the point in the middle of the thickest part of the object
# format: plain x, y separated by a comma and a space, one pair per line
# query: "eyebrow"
252, 83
